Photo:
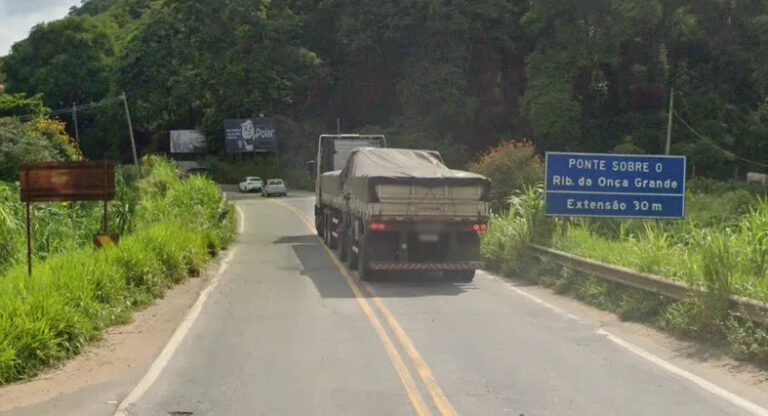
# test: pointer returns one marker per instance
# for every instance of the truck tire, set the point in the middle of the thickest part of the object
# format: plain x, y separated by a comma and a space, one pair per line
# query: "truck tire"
326, 230
461, 276
363, 271
343, 245
351, 255
333, 242
319, 224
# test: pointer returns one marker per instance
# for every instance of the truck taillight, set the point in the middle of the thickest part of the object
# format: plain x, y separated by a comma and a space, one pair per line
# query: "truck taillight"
479, 227
377, 226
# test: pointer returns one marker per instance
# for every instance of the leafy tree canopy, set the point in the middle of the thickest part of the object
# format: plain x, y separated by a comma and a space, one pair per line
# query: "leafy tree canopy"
591, 75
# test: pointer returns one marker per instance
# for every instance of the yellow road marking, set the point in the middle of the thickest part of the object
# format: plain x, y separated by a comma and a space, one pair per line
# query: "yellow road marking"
397, 361
426, 375
442, 403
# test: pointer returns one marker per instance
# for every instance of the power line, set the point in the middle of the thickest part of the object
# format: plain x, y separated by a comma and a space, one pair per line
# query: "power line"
72, 109
709, 141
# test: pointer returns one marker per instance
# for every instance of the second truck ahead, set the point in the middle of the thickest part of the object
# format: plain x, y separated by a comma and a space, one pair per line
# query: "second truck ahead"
399, 209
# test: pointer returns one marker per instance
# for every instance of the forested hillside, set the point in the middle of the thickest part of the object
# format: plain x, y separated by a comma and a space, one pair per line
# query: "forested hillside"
461, 76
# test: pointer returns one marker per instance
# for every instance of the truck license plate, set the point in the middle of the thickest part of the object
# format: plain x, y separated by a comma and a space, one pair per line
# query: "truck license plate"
429, 237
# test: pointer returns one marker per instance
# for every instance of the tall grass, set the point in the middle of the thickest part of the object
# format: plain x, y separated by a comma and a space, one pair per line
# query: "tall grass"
721, 247
60, 226
523, 223
75, 293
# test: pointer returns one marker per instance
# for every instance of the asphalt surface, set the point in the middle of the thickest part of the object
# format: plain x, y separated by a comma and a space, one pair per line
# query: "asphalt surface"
285, 334
287, 331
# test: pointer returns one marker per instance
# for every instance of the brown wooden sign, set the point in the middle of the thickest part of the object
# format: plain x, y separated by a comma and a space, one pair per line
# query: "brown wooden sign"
67, 181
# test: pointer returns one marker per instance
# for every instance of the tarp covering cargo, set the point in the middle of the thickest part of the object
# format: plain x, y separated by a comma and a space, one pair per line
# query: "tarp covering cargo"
368, 167
330, 183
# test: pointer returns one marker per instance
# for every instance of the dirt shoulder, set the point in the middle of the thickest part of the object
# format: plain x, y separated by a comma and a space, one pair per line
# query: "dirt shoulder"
124, 350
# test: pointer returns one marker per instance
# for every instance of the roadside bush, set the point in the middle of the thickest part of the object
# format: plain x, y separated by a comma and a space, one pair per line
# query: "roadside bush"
60, 226
505, 243
233, 172
36, 141
722, 248
718, 209
73, 296
512, 167
56, 227
714, 187
78, 291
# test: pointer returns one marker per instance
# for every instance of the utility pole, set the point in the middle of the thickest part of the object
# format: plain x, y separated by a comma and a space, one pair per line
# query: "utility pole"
74, 119
669, 121
130, 129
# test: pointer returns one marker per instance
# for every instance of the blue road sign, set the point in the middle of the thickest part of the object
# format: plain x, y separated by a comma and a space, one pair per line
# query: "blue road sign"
608, 185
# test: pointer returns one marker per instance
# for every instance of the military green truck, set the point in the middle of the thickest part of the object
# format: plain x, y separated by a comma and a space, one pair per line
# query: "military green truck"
400, 209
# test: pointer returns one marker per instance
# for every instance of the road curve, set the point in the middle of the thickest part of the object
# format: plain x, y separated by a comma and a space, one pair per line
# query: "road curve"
289, 332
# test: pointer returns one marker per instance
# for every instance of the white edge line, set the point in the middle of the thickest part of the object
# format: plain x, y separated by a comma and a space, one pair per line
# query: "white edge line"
704, 384
535, 299
173, 344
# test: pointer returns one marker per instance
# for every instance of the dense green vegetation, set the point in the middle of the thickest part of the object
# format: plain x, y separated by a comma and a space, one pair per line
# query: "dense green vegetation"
720, 247
37, 140
462, 77
511, 166
265, 168
170, 228
459, 76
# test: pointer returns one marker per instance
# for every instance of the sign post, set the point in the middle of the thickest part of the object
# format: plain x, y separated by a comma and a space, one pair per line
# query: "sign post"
29, 243
608, 185
67, 181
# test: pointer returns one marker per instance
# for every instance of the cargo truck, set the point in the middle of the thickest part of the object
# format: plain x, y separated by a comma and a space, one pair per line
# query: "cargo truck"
400, 209
333, 151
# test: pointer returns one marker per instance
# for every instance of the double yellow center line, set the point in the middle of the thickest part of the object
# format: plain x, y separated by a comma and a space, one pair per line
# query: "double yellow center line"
425, 374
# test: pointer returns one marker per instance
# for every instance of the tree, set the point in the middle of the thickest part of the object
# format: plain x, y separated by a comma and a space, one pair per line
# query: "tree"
67, 61
21, 104
591, 75
35, 141
196, 63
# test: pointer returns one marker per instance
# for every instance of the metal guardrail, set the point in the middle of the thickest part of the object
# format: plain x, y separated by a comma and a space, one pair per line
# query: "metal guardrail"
748, 308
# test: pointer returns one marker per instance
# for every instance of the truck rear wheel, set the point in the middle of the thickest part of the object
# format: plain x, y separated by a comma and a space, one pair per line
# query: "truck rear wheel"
326, 230
343, 245
363, 256
319, 222
461, 276
333, 242
351, 255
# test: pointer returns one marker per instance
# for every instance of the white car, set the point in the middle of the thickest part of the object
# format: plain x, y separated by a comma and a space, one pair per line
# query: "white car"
274, 187
251, 184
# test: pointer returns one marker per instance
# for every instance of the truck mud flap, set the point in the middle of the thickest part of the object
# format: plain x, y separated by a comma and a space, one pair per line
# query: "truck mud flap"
452, 265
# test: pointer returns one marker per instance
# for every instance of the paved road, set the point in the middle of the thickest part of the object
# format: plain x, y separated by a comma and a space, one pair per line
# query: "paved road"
287, 332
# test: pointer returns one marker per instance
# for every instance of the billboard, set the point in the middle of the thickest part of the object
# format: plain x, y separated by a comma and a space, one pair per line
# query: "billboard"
250, 135
608, 185
187, 141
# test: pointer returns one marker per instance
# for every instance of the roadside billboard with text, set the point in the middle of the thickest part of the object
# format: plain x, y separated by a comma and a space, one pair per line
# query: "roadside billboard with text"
250, 135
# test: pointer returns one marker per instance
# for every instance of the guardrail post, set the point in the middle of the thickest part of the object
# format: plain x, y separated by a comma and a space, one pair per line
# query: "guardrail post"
565, 227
